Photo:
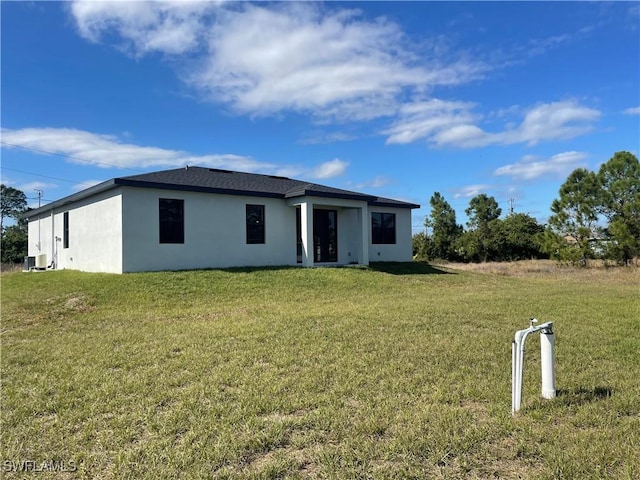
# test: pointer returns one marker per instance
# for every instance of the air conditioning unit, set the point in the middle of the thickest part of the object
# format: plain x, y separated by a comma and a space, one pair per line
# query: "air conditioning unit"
41, 261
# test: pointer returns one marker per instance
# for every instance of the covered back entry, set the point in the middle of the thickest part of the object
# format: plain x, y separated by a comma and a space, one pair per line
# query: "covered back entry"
325, 235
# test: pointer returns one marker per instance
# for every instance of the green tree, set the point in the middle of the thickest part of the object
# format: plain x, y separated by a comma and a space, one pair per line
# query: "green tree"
469, 247
444, 229
520, 237
484, 213
13, 202
420, 243
557, 247
14, 238
619, 180
14, 243
575, 213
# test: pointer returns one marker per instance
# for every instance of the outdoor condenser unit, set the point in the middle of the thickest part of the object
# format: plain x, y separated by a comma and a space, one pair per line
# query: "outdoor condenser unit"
41, 261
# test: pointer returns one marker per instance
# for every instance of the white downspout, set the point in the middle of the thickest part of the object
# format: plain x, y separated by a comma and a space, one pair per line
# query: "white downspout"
53, 238
365, 225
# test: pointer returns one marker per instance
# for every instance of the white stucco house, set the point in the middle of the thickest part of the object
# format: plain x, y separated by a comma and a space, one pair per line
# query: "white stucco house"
195, 217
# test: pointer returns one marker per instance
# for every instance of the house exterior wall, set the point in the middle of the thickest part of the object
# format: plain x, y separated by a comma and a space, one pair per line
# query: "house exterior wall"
95, 234
401, 251
117, 231
349, 234
214, 232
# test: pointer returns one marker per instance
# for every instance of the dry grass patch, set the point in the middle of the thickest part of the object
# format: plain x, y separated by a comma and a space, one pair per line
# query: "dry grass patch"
596, 271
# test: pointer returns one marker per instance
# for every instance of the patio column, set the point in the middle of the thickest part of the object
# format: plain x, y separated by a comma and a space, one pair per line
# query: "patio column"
306, 223
363, 221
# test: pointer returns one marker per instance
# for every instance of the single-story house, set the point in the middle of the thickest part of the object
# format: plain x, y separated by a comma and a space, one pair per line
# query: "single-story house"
195, 217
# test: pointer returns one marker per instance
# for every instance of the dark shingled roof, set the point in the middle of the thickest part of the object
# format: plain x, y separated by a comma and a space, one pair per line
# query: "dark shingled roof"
212, 180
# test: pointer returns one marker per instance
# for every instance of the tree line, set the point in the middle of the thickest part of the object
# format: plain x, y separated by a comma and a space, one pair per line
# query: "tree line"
14, 240
596, 215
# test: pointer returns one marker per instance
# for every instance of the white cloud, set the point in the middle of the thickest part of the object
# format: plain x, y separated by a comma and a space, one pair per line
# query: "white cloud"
30, 187
329, 62
377, 182
444, 123
470, 191
105, 151
505, 112
330, 169
427, 119
632, 111
529, 167
553, 121
268, 60
319, 137
108, 151
144, 27
261, 60
539, 46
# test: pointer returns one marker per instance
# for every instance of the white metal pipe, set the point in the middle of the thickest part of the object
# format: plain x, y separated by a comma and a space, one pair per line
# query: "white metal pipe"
514, 369
514, 375
547, 363
521, 338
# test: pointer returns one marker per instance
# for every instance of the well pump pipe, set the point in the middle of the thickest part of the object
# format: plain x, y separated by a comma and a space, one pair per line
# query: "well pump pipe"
547, 343
547, 363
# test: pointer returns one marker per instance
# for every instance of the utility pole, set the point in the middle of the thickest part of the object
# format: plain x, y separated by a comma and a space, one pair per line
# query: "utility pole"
511, 206
39, 192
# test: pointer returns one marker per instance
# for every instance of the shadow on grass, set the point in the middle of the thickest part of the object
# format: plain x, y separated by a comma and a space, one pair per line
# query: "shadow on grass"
272, 268
394, 268
407, 268
582, 396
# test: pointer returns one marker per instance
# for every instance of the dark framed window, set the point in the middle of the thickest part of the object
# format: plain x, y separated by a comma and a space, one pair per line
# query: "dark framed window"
65, 230
255, 223
171, 214
383, 228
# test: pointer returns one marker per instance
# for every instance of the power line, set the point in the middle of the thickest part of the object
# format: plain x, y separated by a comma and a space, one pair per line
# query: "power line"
47, 176
47, 152
42, 198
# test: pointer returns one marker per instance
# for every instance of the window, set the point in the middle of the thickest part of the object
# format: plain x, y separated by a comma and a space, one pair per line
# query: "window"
383, 228
255, 223
65, 230
171, 220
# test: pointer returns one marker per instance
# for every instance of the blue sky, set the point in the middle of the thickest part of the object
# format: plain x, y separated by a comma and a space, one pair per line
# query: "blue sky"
395, 99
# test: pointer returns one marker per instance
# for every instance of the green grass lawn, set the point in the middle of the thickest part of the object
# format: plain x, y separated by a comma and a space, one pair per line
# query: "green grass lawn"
397, 371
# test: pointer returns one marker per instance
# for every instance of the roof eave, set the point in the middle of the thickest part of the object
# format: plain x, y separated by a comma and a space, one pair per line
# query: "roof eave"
315, 193
99, 188
195, 188
382, 203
